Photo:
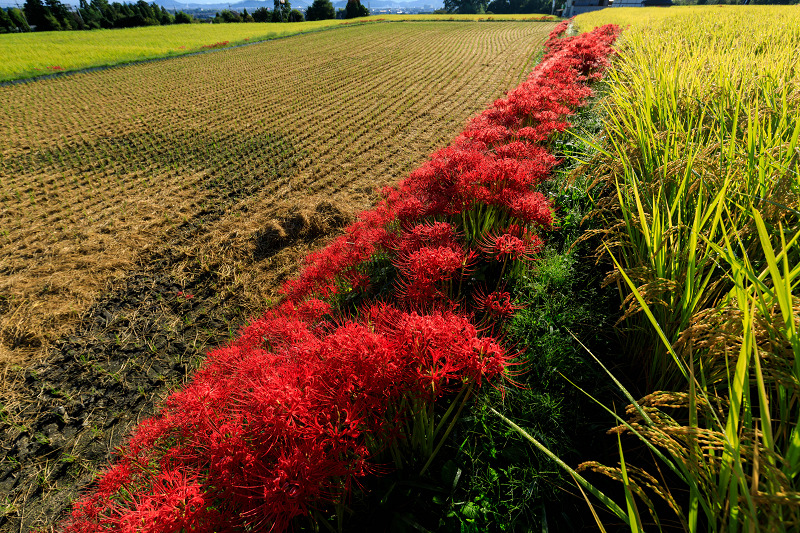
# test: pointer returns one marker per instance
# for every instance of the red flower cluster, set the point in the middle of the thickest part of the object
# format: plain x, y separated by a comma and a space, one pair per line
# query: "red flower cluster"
513, 243
488, 173
279, 422
219, 44
288, 417
497, 305
342, 257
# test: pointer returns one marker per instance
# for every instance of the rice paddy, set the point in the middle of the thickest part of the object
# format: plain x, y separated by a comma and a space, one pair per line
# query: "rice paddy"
36, 54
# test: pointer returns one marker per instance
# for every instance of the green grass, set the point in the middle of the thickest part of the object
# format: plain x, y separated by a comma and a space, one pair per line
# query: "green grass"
34, 54
27, 55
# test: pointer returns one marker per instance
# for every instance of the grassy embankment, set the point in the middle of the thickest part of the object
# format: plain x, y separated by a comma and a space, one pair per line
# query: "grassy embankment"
701, 168
35, 54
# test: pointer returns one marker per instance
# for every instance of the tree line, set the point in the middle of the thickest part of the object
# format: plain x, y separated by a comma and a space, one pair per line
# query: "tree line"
499, 7
54, 15
283, 12
505, 7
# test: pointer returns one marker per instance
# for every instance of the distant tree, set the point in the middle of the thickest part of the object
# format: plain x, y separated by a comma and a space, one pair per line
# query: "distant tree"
262, 14
295, 15
50, 23
320, 10
281, 10
144, 9
135, 15
183, 18
465, 7
111, 12
355, 9
18, 17
122, 11
227, 16
6, 24
505, 7
341, 13
97, 14
247, 17
90, 16
35, 13
62, 14
165, 17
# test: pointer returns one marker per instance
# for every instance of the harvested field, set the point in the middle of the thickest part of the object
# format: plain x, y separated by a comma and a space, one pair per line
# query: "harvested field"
148, 210
46, 53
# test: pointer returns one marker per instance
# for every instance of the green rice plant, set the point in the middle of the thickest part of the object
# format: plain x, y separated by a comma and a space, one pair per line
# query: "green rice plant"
765, 296
691, 129
719, 444
741, 446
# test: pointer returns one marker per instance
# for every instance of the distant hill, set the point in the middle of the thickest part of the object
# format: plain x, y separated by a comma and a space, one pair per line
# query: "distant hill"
250, 5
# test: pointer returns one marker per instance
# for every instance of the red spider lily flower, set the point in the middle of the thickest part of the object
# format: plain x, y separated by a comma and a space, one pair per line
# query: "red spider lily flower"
114, 478
311, 310
174, 502
273, 331
432, 264
532, 208
504, 246
426, 271
496, 304
426, 235
489, 359
420, 292
360, 241
533, 241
